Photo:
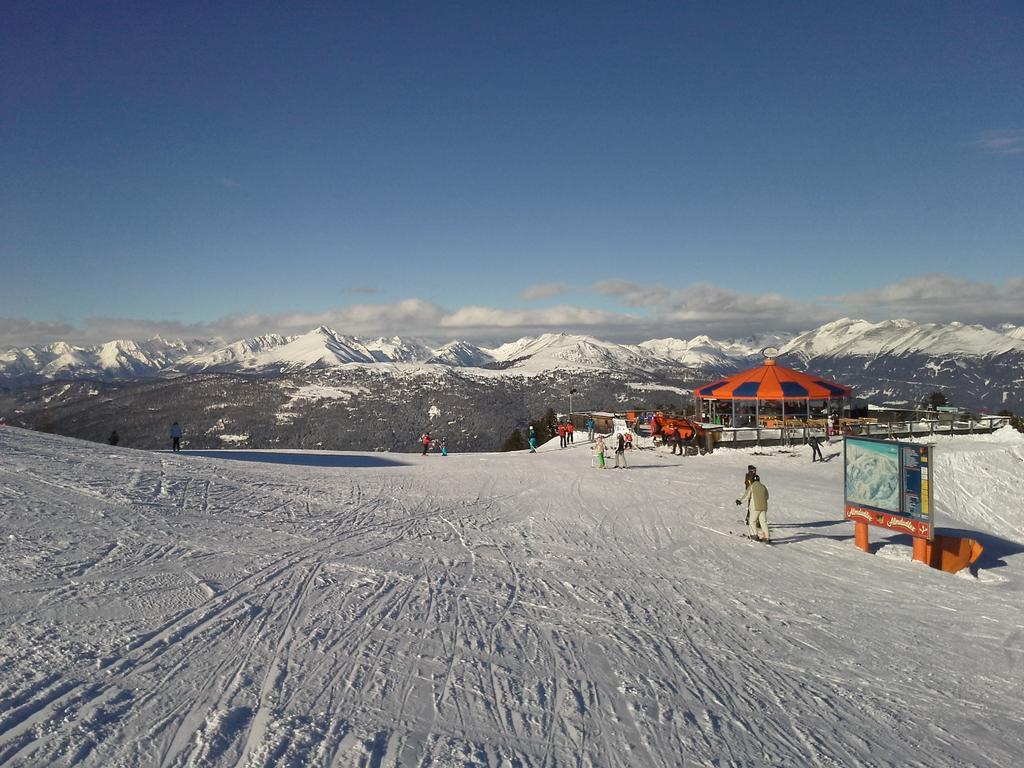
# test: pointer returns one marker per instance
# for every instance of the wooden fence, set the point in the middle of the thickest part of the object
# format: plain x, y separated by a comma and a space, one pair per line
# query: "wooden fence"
861, 427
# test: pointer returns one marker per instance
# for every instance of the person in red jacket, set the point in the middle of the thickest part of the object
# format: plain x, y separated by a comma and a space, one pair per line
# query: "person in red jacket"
561, 435
569, 429
426, 442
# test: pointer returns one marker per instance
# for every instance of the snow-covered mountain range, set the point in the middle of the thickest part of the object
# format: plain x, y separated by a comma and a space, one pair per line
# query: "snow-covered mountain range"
887, 361
118, 359
848, 337
326, 348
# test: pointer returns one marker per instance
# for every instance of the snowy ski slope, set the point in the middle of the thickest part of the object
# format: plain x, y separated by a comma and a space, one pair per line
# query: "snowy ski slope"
494, 610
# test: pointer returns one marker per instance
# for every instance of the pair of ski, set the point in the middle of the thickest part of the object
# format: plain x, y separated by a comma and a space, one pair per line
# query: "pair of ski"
748, 537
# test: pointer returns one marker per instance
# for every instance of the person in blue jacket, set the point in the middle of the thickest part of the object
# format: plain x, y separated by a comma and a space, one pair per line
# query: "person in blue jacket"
533, 440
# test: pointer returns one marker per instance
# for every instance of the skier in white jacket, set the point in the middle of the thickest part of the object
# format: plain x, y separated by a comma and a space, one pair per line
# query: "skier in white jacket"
757, 517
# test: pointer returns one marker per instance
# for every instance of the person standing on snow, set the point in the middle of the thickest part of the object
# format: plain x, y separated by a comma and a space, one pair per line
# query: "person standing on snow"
815, 442
569, 429
747, 480
620, 451
533, 440
444, 447
175, 437
561, 435
426, 442
590, 429
757, 500
599, 447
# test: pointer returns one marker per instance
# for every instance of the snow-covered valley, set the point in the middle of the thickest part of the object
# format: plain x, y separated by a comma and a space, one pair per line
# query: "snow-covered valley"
495, 610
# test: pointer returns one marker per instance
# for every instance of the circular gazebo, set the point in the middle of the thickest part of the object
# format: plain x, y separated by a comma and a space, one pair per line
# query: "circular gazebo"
770, 394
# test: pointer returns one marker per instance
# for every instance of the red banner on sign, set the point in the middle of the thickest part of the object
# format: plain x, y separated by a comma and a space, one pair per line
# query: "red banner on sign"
916, 528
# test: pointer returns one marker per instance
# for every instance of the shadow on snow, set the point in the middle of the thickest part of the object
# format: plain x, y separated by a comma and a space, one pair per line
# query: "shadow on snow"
358, 461
996, 547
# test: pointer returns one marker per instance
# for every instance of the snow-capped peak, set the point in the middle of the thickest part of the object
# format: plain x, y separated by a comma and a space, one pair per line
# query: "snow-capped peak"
239, 353
321, 347
1015, 332
398, 350
460, 354
563, 350
699, 352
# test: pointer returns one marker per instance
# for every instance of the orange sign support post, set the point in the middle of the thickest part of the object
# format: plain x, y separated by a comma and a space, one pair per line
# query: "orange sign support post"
922, 552
860, 536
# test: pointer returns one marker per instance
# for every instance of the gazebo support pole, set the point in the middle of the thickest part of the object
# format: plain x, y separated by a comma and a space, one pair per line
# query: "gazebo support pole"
785, 434
757, 418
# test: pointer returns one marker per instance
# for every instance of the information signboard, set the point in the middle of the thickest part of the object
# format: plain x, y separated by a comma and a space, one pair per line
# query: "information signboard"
889, 484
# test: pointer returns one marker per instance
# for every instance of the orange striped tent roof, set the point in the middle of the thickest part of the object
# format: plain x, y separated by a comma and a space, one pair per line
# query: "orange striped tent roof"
772, 381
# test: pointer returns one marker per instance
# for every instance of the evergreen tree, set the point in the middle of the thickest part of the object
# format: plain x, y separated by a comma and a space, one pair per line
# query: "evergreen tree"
514, 442
545, 427
934, 400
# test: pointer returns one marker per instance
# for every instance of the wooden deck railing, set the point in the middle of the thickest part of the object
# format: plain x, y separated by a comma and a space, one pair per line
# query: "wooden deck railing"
797, 431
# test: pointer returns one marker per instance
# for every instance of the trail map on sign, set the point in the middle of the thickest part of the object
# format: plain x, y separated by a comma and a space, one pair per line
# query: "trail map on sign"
873, 475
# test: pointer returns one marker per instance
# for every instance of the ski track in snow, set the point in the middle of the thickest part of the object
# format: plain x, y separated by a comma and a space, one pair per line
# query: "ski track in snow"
491, 610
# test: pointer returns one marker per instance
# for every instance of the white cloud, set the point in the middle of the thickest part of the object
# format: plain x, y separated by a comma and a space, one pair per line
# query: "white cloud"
1003, 142
542, 291
925, 298
19, 332
681, 312
706, 308
942, 299
408, 317
633, 294
549, 318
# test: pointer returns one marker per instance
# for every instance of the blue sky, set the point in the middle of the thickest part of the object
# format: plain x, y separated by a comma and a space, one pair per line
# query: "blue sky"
486, 169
